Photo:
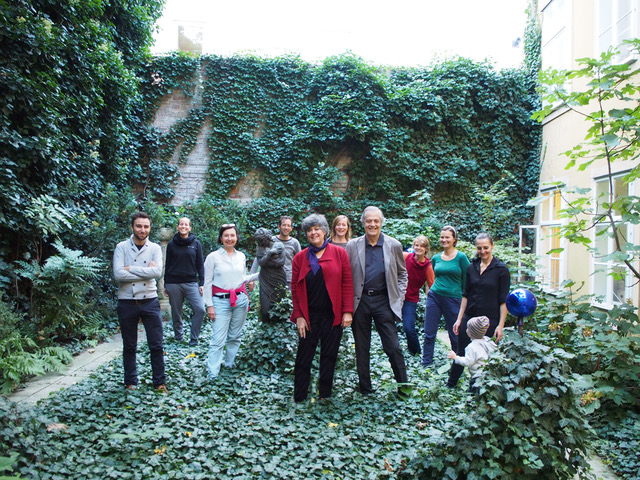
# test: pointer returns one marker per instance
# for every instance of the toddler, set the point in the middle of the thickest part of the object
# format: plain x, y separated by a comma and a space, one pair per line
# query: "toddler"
478, 351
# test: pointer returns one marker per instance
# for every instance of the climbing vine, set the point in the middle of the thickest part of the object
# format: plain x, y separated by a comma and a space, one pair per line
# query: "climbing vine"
445, 130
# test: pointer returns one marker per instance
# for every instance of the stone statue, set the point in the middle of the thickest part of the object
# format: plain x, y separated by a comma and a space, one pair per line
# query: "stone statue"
273, 280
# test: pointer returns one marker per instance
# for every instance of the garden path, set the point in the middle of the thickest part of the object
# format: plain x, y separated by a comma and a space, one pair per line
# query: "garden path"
84, 364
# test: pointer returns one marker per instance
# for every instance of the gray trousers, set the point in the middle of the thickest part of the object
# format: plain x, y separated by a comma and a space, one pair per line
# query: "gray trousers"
177, 293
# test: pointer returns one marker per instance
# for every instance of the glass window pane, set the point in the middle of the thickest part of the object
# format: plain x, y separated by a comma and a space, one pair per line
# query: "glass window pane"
600, 283
606, 16
557, 203
619, 285
544, 208
555, 241
602, 194
622, 232
554, 273
602, 241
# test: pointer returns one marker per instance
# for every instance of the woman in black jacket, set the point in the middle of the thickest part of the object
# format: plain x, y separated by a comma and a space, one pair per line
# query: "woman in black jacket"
485, 294
183, 278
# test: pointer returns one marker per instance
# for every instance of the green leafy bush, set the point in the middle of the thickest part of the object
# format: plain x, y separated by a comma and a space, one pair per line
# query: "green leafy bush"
20, 356
622, 444
605, 345
60, 306
526, 421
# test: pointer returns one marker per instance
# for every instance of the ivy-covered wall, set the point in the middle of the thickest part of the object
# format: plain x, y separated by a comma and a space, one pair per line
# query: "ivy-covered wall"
450, 130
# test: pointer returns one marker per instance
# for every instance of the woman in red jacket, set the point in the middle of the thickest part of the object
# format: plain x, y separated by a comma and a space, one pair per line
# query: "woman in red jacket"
322, 293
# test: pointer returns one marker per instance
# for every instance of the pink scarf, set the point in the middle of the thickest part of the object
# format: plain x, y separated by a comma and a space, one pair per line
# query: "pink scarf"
233, 294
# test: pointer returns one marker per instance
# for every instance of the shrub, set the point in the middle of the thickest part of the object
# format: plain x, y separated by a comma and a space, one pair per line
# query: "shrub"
622, 444
605, 345
20, 356
59, 290
525, 422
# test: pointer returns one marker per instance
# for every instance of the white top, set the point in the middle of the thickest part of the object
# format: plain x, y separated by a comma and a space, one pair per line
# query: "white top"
476, 354
224, 271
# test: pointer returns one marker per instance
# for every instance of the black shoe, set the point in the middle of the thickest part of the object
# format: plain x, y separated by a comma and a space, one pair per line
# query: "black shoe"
404, 391
364, 393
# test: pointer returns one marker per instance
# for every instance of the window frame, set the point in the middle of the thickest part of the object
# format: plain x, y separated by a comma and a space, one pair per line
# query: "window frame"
547, 239
616, 38
599, 267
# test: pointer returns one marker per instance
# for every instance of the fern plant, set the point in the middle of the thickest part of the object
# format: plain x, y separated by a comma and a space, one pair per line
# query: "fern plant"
59, 292
20, 356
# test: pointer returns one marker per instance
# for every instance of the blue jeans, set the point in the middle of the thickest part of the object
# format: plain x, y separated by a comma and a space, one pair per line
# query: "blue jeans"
439, 306
409, 323
130, 312
177, 293
226, 331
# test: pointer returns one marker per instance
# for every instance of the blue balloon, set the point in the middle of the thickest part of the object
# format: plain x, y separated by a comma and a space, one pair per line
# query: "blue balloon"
521, 303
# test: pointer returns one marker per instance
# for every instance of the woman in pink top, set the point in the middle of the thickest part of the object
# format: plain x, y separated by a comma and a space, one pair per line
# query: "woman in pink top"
420, 271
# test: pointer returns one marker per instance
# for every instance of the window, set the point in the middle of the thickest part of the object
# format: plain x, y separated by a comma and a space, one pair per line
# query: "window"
616, 22
552, 262
556, 35
190, 37
611, 278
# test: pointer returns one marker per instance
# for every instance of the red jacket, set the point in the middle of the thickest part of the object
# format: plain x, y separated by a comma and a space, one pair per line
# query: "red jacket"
336, 270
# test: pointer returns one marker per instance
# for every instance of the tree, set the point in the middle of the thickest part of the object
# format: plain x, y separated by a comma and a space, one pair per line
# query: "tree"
609, 103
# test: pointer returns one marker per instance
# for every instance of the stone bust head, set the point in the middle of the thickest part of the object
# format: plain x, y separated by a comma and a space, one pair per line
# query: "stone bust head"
263, 237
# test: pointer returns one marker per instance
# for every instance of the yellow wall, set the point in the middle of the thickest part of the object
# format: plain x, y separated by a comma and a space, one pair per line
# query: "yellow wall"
564, 129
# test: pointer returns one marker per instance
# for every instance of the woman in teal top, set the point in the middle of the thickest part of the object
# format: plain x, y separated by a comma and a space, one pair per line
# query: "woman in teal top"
445, 295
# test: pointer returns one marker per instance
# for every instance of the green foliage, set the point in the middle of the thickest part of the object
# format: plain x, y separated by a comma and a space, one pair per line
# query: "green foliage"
59, 293
68, 97
525, 422
280, 311
20, 356
246, 416
622, 444
605, 345
402, 129
608, 103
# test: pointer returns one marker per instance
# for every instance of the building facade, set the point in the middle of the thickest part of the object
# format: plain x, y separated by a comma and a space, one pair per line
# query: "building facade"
574, 29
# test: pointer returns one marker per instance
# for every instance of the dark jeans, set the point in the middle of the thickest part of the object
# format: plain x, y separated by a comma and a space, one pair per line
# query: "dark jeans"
129, 313
409, 324
329, 337
376, 308
463, 342
439, 306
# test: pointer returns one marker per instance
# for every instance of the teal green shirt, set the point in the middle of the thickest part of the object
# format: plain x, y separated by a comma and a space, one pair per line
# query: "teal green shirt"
451, 275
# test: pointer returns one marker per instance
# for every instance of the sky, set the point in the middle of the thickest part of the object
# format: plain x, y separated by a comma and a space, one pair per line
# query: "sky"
397, 33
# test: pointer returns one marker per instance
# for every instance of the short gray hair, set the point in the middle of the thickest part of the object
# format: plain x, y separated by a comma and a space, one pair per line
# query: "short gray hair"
371, 208
315, 219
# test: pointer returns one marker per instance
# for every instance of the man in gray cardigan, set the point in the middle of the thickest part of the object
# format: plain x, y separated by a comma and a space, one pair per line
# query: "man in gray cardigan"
137, 263
379, 284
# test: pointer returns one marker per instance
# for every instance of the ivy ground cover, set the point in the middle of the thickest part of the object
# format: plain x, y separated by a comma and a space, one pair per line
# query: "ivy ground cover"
243, 425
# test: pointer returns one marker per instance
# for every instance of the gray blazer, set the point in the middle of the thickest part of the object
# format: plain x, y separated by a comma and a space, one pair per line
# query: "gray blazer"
395, 271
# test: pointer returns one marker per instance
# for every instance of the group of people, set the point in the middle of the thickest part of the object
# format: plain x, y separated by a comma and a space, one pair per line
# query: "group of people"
335, 282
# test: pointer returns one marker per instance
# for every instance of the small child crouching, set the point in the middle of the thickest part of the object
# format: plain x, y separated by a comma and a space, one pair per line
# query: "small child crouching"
477, 352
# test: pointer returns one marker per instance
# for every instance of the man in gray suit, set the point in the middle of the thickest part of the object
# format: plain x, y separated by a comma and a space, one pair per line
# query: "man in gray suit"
379, 284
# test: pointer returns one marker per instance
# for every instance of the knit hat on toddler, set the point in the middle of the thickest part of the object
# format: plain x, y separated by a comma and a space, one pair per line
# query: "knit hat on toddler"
477, 327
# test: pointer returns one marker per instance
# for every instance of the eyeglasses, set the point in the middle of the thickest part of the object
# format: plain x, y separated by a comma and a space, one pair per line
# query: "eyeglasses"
228, 225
